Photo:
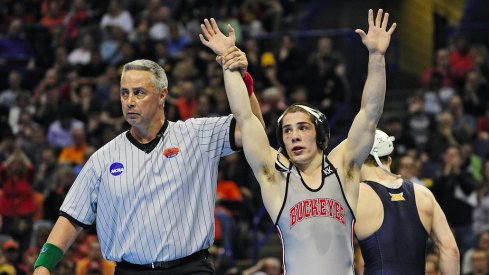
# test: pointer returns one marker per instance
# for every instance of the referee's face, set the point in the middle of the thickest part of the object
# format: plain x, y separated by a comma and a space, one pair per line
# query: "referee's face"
140, 99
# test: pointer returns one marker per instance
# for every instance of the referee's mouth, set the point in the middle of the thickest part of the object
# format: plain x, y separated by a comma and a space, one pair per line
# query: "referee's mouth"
132, 115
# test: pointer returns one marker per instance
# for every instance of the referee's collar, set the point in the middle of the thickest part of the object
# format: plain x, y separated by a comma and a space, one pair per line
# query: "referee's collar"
148, 147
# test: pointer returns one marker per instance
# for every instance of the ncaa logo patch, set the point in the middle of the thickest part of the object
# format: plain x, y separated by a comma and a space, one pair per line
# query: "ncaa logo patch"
116, 168
171, 152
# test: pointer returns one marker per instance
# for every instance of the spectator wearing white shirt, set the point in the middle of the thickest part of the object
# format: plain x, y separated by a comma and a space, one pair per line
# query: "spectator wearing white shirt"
117, 16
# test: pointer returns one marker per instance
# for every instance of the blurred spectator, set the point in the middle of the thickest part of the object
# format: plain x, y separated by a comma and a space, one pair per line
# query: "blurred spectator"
75, 154
226, 17
405, 143
481, 60
176, 41
461, 58
266, 13
273, 104
324, 49
419, 124
471, 162
15, 48
75, 20
481, 211
432, 267
110, 47
265, 266
144, 46
441, 67
7, 145
54, 17
479, 262
483, 124
36, 144
44, 177
20, 115
96, 67
5, 267
17, 202
409, 169
84, 102
474, 93
228, 205
253, 54
436, 96
442, 137
325, 87
161, 17
454, 190
117, 16
29, 258
19, 12
8, 97
290, 62
59, 131
187, 102
94, 263
82, 54
11, 251
467, 260
48, 106
463, 123
63, 179
111, 110
51, 77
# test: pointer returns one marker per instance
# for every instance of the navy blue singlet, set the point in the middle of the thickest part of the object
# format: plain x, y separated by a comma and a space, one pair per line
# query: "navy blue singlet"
399, 246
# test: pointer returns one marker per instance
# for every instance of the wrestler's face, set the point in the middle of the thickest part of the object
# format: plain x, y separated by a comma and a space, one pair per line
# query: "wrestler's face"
299, 136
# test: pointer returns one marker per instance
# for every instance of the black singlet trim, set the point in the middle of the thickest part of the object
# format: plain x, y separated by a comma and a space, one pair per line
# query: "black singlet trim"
343, 192
285, 197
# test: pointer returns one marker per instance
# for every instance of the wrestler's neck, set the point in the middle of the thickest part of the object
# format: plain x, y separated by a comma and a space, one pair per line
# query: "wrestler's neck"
311, 166
380, 176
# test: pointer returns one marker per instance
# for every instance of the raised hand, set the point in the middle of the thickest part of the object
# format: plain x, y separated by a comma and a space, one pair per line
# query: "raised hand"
214, 39
378, 37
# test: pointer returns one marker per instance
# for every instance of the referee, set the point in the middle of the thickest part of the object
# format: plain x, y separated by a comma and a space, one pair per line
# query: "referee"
152, 189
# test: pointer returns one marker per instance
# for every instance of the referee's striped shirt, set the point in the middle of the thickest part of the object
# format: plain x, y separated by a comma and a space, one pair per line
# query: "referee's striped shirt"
153, 204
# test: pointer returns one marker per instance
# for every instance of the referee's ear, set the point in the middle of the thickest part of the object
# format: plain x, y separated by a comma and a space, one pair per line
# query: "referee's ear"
163, 94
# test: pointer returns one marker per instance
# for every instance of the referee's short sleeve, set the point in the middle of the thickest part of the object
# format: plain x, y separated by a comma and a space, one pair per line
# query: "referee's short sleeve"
81, 200
215, 135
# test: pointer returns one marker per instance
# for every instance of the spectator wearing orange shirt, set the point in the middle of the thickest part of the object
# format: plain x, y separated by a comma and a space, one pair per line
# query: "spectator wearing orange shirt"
75, 154
94, 263
54, 17
187, 103
228, 204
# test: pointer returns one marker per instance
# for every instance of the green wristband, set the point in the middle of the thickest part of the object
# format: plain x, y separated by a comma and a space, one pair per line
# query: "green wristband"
49, 257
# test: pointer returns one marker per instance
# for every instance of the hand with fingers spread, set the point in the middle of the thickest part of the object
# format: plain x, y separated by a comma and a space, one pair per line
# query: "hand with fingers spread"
234, 59
213, 38
378, 37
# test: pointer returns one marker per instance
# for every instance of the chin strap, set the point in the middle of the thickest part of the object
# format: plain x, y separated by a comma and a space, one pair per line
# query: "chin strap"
379, 163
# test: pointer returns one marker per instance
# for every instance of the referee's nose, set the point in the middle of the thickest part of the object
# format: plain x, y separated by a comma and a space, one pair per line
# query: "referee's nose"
131, 101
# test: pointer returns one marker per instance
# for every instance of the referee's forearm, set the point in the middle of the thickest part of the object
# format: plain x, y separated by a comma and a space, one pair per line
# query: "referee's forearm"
64, 233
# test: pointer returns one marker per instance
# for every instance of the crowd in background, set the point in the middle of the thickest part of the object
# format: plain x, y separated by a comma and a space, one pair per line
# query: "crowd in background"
60, 64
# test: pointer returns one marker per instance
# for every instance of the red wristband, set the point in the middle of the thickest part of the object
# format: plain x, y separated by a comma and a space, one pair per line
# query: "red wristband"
248, 80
